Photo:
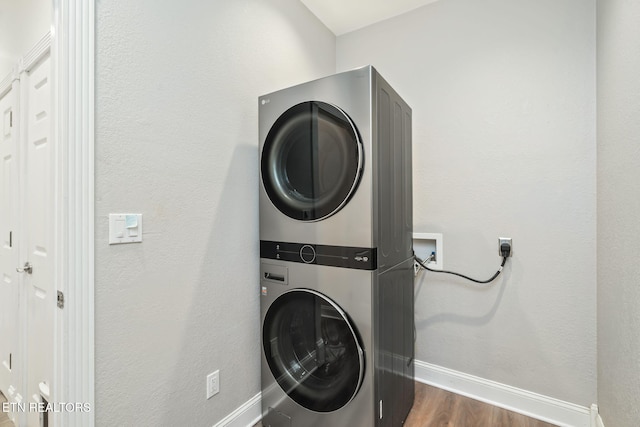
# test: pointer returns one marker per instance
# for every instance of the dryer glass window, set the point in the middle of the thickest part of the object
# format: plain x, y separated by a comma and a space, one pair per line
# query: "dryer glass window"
312, 350
311, 161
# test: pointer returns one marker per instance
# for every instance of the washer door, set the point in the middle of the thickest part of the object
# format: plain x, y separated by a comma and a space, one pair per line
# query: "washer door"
311, 161
312, 350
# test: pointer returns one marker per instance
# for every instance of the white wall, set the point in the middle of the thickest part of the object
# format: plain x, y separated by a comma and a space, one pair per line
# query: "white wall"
22, 24
618, 212
177, 85
503, 96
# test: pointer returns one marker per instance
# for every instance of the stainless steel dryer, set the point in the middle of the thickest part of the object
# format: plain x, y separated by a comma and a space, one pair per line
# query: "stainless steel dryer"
335, 157
336, 253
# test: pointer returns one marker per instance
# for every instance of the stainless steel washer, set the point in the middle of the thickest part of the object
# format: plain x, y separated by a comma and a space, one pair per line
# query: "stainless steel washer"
337, 345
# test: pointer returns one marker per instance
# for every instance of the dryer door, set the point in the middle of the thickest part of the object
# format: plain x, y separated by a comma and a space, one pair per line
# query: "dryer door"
312, 350
311, 161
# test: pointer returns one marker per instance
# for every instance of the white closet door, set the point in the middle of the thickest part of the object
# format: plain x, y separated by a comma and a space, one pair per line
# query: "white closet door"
9, 254
38, 228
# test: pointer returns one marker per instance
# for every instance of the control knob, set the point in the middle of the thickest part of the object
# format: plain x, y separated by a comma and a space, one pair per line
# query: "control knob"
307, 254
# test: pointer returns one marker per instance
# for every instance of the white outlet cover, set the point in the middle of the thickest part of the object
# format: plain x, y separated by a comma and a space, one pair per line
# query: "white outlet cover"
213, 384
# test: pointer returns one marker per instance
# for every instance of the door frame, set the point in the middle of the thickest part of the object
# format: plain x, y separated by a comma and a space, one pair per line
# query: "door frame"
73, 54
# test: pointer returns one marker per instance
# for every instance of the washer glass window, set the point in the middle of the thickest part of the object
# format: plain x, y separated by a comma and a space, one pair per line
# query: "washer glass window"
312, 350
311, 161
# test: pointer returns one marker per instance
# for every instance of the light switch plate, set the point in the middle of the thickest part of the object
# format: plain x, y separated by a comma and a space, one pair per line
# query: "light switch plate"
125, 228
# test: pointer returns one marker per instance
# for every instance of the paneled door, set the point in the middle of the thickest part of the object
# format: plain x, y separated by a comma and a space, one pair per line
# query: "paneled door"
9, 254
37, 248
28, 296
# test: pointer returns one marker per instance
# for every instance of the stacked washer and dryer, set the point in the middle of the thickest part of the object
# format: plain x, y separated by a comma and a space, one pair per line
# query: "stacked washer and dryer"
336, 256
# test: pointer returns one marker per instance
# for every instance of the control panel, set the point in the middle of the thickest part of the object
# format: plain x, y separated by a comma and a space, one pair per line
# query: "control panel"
335, 256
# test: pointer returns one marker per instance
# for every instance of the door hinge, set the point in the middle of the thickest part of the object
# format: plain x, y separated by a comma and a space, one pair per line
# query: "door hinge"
11, 239
11, 118
60, 299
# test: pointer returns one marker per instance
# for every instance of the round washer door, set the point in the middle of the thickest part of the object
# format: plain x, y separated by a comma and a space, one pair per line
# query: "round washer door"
311, 161
312, 350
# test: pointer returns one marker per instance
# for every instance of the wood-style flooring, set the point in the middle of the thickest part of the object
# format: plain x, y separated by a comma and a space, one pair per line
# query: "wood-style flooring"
434, 407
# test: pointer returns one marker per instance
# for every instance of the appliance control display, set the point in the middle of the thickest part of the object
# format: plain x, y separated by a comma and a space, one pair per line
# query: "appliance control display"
335, 256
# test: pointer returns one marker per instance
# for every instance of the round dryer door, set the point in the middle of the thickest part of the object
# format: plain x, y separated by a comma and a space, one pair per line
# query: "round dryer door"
312, 350
311, 161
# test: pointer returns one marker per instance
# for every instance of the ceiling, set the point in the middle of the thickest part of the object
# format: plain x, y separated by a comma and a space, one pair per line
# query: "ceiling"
343, 16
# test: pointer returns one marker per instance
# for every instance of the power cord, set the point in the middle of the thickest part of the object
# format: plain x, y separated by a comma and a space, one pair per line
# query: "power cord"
505, 250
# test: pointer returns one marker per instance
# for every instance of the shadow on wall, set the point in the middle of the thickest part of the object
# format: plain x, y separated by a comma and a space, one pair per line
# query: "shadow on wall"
496, 369
222, 331
484, 319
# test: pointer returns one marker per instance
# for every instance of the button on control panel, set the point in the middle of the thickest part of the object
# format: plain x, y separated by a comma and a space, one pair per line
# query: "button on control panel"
307, 254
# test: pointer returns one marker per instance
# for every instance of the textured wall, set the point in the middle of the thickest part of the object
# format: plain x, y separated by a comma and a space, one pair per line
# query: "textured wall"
618, 212
176, 140
503, 98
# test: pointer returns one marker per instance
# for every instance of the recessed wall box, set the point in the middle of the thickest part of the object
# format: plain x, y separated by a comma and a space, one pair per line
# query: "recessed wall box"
424, 244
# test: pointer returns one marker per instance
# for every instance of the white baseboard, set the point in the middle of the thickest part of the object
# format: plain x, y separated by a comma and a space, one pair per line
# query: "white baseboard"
245, 416
531, 404
597, 420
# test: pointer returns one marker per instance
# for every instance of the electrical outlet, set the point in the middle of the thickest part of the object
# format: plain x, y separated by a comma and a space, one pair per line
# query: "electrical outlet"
507, 240
213, 384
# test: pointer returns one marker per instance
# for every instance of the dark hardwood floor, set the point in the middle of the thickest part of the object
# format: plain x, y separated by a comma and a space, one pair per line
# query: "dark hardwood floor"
434, 407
